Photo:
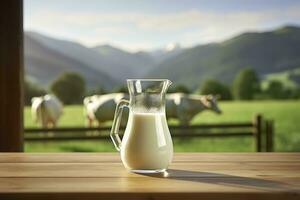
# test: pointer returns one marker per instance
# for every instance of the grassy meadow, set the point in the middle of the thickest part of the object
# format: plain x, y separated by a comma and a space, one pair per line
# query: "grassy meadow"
286, 115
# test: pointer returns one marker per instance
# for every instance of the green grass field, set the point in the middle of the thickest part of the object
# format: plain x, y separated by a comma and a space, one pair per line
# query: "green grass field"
286, 115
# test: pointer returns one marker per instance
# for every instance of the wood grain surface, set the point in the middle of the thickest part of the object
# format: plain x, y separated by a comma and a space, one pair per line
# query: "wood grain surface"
190, 176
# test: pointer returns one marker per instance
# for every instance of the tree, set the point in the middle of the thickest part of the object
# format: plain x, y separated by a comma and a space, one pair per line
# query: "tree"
179, 88
121, 89
245, 84
97, 90
275, 90
31, 90
69, 87
211, 86
295, 93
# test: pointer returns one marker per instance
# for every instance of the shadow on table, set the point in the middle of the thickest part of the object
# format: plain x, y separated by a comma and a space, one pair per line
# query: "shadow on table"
218, 178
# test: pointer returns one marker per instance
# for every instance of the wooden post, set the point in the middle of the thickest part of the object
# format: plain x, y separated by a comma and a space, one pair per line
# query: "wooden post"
266, 132
257, 131
269, 136
11, 76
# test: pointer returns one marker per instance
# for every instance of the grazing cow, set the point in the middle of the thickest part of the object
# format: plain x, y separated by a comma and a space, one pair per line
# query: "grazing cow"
101, 108
184, 106
46, 110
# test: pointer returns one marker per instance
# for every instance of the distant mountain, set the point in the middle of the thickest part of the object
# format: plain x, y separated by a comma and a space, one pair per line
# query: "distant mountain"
129, 65
159, 55
105, 65
108, 66
266, 52
45, 60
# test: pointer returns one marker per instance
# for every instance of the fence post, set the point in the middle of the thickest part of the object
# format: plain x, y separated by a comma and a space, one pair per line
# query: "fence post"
267, 132
257, 131
269, 135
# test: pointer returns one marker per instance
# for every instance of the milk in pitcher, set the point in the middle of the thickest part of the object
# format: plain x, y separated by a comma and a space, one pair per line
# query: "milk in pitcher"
147, 144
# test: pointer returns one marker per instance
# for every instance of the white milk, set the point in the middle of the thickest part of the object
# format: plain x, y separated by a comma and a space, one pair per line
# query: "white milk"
147, 143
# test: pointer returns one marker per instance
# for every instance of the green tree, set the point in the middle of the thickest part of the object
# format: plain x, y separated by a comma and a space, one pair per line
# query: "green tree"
211, 86
245, 84
178, 88
31, 90
98, 90
295, 93
120, 88
69, 87
275, 90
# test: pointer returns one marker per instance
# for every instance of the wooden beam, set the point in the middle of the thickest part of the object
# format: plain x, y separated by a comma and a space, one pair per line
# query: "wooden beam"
269, 136
257, 121
11, 75
171, 127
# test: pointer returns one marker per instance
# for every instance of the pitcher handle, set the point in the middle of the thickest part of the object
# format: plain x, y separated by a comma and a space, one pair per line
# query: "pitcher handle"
114, 133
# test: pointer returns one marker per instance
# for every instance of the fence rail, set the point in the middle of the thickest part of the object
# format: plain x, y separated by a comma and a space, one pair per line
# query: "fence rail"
257, 129
107, 128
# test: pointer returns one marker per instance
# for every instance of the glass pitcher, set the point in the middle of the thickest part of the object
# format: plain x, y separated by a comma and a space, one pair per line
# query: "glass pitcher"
147, 145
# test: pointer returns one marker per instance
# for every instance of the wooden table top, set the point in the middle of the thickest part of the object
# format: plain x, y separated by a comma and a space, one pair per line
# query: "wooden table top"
191, 176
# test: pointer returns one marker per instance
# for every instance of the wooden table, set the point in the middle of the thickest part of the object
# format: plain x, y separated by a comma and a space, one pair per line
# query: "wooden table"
191, 176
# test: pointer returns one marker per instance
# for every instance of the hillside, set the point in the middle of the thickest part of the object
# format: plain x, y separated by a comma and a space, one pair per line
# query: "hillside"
109, 65
135, 64
43, 64
105, 65
266, 52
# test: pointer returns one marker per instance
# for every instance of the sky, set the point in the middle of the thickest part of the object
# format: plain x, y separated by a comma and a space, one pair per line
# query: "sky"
151, 24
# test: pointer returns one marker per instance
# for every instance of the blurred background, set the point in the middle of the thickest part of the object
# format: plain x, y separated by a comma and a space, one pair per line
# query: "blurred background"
244, 54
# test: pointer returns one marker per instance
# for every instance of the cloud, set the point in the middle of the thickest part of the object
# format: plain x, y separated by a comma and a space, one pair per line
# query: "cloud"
189, 27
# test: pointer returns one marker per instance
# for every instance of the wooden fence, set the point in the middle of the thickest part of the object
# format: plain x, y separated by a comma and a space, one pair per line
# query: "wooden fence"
261, 131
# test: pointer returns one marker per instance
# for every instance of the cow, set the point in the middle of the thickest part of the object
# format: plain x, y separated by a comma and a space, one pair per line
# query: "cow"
185, 106
46, 110
101, 108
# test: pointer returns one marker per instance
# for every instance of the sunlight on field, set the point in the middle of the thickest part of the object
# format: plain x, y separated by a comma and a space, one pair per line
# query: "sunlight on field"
285, 114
